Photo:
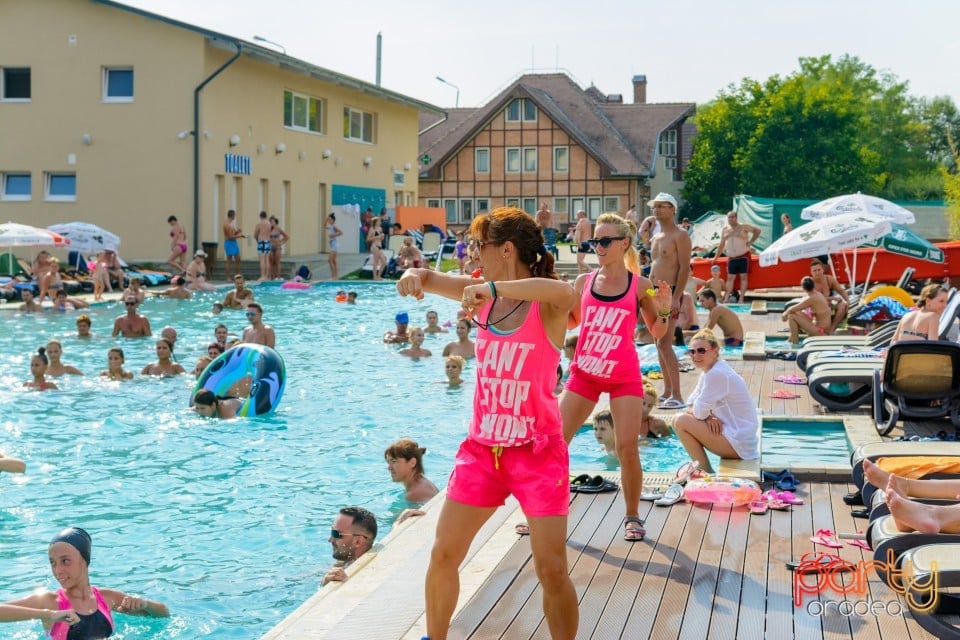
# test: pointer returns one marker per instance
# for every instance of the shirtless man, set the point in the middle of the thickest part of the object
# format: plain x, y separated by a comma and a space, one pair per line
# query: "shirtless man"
177, 291
131, 325
63, 302
400, 336
544, 216
29, 304
723, 317
231, 245
817, 322
258, 332
240, 296
671, 253
737, 240
581, 238
832, 291
261, 233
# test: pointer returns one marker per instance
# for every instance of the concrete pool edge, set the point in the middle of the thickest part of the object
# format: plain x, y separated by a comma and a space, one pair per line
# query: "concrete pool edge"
859, 430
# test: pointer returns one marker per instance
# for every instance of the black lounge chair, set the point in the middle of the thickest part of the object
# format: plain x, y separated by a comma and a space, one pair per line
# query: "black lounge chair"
813, 347
934, 569
921, 379
843, 386
876, 450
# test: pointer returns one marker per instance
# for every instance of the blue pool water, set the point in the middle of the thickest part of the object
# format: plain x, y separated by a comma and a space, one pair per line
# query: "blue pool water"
798, 442
224, 521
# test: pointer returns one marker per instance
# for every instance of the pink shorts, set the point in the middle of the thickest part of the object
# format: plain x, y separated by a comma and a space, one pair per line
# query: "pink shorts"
539, 481
591, 388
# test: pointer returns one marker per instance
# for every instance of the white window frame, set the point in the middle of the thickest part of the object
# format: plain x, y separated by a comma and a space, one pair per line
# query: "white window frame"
576, 204
560, 207
106, 83
348, 115
399, 178
521, 110
305, 128
668, 143
594, 207
611, 204
466, 211
564, 165
451, 204
530, 206
669, 162
513, 202
433, 203
506, 159
477, 153
15, 197
3, 87
48, 178
482, 205
528, 154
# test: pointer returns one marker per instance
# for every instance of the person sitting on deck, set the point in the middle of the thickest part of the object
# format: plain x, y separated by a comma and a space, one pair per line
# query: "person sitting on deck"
352, 535
722, 316
831, 290
810, 315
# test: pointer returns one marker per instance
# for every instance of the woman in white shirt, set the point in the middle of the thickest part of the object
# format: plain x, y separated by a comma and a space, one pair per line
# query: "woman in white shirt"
721, 415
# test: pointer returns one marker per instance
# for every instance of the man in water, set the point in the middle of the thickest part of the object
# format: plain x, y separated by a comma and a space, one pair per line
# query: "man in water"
671, 253
240, 296
258, 332
400, 336
29, 304
737, 240
352, 535
723, 317
132, 324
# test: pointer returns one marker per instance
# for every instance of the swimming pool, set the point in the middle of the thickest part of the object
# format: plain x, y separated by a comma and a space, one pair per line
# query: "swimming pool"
224, 521
804, 442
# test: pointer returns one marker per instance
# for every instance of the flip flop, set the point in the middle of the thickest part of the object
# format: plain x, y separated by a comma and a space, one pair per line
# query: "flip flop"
860, 513
597, 484
790, 379
635, 534
522, 529
672, 495
863, 544
686, 472
671, 404
773, 476
827, 538
579, 481
853, 498
788, 482
783, 394
759, 507
817, 562
786, 497
652, 494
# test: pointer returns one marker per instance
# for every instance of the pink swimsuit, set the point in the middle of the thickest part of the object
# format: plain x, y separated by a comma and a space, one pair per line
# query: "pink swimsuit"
95, 623
606, 358
515, 441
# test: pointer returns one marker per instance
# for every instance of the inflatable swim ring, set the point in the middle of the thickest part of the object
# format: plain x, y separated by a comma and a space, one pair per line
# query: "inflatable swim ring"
722, 490
900, 295
341, 297
292, 284
252, 372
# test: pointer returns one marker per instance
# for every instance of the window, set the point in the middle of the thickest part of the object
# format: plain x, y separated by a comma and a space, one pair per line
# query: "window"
61, 187
513, 202
576, 204
398, 178
670, 163
513, 160
451, 207
521, 109
530, 206
561, 159
118, 84
668, 143
14, 186
483, 205
611, 204
466, 210
303, 113
15, 84
433, 203
481, 160
530, 160
560, 206
593, 208
358, 125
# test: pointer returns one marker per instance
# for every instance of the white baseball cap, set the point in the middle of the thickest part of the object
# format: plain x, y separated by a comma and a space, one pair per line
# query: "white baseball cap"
200, 252
664, 197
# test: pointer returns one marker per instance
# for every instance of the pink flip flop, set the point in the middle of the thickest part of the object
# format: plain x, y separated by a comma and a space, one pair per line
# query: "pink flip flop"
783, 394
827, 538
787, 497
791, 379
860, 543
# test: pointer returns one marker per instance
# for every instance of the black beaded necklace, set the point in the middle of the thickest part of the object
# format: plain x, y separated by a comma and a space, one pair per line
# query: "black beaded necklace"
487, 325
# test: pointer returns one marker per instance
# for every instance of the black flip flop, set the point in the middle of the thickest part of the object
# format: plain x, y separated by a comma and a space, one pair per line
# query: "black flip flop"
860, 513
853, 499
598, 484
579, 481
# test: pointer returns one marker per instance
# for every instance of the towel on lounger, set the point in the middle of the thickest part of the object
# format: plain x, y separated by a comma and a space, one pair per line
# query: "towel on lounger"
913, 467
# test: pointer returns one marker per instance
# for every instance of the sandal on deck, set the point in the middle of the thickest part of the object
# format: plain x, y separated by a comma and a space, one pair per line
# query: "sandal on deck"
633, 534
522, 529
651, 494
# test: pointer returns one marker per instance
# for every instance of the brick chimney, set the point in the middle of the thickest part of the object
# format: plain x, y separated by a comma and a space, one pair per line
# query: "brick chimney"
639, 89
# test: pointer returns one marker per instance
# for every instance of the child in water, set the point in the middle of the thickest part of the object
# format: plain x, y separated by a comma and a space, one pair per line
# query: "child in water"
453, 367
38, 368
650, 426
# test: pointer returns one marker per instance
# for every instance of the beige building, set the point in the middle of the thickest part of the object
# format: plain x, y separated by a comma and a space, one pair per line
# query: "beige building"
120, 117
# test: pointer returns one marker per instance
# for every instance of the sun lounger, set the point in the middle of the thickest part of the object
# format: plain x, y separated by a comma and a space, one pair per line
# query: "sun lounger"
367, 267
843, 386
876, 450
935, 568
921, 379
884, 537
879, 338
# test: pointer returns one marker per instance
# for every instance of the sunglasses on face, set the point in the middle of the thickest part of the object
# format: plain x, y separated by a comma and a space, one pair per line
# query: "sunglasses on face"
605, 242
336, 535
251, 314
130, 304
698, 351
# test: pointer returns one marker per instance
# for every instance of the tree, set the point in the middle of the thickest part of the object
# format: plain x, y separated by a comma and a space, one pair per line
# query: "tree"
831, 127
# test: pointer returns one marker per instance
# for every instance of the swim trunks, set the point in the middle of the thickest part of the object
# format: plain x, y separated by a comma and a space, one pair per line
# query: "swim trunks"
732, 342
738, 265
231, 247
263, 246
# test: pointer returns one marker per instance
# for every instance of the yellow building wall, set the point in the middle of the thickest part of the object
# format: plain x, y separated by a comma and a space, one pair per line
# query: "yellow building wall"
137, 171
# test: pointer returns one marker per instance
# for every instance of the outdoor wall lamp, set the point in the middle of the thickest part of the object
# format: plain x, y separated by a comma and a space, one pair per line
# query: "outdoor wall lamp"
327, 153
183, 134
234, 140
367, 161
407, 167
86, 139
281, 148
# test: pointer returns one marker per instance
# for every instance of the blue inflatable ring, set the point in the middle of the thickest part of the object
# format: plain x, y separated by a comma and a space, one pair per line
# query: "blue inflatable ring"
251, 372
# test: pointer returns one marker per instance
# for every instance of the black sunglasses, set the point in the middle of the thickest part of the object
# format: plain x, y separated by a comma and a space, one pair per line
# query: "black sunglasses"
698, 350
336, 535
605, 242
130, 304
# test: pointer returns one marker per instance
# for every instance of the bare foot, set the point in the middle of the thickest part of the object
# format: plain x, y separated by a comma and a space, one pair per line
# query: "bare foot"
874, 474
912, 516
897, 485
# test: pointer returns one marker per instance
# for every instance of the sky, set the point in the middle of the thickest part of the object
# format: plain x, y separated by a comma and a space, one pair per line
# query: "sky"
689, 50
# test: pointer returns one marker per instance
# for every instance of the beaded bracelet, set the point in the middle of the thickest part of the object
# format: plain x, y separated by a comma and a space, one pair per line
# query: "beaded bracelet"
493, 289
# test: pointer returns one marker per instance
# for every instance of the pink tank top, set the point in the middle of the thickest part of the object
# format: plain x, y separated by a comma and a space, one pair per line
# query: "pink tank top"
59, 630
605, 349
514, 403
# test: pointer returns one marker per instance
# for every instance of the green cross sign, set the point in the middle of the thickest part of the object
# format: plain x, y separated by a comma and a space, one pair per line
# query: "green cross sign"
425, 159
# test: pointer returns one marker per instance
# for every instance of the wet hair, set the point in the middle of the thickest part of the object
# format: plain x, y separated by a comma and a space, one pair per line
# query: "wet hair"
119, 351
77, 538
217, 305
172, 219
166, 342
510, 224
256, 305
459, 360
352, 294
624, 228
466, 321
363, 520
707, 336
42, 354
205, 397
178, 280
220, 326
707, 292
807, 283
215, 345
56, 342
603, 415
84, 318
929, 292
408, 450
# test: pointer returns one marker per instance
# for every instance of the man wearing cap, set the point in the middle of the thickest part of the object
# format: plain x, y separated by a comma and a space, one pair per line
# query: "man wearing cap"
670, 251
400, 336
737, 240
352, 535
197, 273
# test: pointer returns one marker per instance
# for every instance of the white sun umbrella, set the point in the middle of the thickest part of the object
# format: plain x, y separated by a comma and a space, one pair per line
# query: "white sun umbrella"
826, 235
13, 234
858, 203
86, 238
707, 230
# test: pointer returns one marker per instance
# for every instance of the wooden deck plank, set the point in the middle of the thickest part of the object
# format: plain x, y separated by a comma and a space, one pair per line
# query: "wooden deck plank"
726, 601
801, 528
834, 624
751, 622
701, 603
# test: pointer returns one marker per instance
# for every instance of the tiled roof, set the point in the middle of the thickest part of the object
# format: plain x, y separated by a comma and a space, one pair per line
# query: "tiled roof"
622, 137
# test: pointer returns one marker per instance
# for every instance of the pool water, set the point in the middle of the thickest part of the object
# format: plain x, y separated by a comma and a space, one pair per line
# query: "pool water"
224, 521
804, 443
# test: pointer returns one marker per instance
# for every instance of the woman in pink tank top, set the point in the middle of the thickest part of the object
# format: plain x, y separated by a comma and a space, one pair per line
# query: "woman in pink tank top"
78, 610
605, 360
514, 443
